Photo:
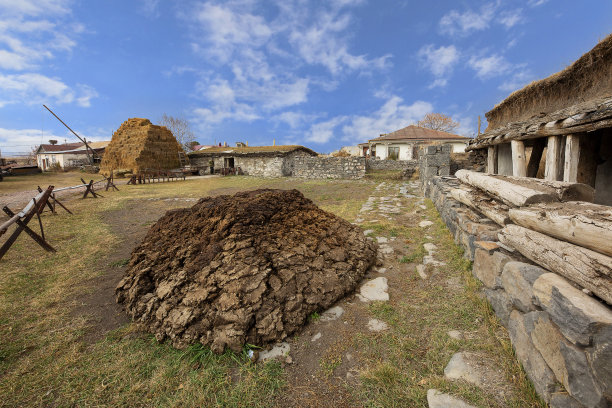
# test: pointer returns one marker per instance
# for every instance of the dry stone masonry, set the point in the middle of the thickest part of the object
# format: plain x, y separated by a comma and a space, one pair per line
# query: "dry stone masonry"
329, 167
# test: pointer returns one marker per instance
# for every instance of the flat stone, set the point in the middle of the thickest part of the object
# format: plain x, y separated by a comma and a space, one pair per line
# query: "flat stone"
382, 240
385, 249
429, 247
488, 267
376, 325
486, 245
381, 270
535, 366
430, 260
577, 315
517, 279
422, 207
437, 399
501, 304
455, 334
279, 350
332, 313
425, 224
367, 232
563, 400
374, 290
316, 337
422, 271
462, 366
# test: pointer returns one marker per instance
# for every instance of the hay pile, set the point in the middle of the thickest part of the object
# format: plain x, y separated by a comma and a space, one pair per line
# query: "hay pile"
247, 268
139, 145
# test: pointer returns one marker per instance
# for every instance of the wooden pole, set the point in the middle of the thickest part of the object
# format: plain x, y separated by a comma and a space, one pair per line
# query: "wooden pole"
553, 154
572, 156
519, 166
492, 160
535, 158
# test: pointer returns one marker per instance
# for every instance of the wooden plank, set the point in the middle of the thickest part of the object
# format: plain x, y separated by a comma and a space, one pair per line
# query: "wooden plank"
536, 157
510, 193
519, 166
494, 210
562, 190
589, 269
585, 224
572, 156
553, 153
492, 160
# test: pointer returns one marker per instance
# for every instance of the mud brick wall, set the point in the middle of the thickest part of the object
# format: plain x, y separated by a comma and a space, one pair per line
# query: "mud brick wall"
329, 167
561, 334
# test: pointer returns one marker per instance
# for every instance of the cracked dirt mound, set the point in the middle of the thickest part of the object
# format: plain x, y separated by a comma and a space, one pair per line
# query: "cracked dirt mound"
248, 268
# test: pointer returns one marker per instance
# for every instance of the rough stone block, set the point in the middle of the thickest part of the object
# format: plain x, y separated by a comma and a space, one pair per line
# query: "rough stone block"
518, 279
501, 303
488, 267
578, 315
600, 357
563, 400
534, 364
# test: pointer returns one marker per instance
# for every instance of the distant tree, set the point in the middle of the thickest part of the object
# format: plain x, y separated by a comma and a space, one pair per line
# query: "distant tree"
193, 144
438, 121
180, 128
30, 158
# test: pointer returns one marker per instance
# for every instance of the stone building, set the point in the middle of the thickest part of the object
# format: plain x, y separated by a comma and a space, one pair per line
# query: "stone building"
67, 155
558, 128
265, 161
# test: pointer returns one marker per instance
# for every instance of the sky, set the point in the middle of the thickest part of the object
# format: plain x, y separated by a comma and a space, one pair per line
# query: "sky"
323, 74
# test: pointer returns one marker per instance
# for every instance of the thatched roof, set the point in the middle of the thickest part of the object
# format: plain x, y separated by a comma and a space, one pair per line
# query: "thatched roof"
270, 151
414, 133
588, 78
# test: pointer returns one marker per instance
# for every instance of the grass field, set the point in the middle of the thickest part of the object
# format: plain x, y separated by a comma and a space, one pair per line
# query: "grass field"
46, 359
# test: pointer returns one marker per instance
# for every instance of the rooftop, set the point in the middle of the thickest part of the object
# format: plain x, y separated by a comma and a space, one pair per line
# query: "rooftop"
246, 150
414, 132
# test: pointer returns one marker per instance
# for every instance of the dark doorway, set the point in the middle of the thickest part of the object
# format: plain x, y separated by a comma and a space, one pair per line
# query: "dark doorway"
228, 162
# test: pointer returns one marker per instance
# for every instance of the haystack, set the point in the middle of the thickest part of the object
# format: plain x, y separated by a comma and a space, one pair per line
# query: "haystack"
247, 268
139, 145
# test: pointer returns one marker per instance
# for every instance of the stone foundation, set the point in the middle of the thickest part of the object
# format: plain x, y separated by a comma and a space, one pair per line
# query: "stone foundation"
329, 167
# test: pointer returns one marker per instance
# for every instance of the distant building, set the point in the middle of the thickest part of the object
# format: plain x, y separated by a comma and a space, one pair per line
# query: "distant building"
266, 161
67, 155
403, 144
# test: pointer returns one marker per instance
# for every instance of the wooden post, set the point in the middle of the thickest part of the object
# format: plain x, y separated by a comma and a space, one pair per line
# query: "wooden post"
492, 160
536, 157
519, 165
572, 156
553, 155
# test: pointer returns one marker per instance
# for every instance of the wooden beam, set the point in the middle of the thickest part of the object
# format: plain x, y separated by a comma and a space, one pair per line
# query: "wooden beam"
481, 202
572, 156
492, 160
587, 268
536, 157
519, 166
552, 171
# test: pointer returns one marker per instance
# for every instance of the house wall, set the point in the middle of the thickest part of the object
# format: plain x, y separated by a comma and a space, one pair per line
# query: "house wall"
407, 149
329, 167
64, 159
252, 165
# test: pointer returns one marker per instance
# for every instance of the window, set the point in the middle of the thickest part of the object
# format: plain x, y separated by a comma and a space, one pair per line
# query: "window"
393, 152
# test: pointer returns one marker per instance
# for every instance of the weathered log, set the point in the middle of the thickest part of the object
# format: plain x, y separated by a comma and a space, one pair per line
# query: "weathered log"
587, 268
585, 224
483, 203
508, 192
564, 191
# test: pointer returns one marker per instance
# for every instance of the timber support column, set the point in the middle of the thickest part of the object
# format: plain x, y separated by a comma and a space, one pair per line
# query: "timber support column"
572, 157
492, 160
553, 170
519, 165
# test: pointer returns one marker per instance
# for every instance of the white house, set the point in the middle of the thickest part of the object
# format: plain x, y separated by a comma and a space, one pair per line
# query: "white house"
66, 155
404, 144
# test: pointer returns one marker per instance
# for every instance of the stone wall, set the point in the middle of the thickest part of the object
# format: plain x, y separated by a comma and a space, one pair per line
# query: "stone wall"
561, 335
329, 167
252, 165
378, 164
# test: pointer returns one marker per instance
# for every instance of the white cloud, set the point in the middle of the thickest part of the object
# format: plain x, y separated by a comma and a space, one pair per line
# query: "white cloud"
34, 8
511, 18
295, 120
454, 22
440, 61
394, 114
150, 8
535, 3
491, 66
33, 88
519, 79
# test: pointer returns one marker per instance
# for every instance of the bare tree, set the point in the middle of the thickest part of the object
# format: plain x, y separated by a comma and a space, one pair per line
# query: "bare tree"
438, 121
30, 158
180, 128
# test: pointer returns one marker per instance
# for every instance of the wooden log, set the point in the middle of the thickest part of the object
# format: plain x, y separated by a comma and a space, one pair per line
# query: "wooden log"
508, 192
492, 160
536, 156
562, 190
552, 170
585, 224
494, 210
572, 156
587, 268
519, 166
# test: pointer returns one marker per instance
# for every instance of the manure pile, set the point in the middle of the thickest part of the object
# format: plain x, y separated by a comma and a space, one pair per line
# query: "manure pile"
138, 145
248, 268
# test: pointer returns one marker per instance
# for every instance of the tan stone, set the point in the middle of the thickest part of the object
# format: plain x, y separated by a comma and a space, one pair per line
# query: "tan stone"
488, 267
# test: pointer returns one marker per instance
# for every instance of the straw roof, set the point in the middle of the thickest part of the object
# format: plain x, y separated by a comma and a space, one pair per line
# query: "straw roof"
252, 151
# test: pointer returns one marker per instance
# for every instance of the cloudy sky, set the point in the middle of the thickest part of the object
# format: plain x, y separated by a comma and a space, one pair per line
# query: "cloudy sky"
319, 73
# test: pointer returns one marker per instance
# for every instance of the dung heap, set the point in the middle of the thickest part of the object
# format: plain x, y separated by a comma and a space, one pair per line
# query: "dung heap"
139, 145
248, 268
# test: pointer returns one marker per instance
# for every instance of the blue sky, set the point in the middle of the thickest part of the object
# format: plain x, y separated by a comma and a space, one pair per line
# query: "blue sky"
319, 73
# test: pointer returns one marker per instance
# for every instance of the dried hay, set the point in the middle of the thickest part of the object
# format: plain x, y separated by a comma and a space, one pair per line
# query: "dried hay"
587, 78
139, 145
